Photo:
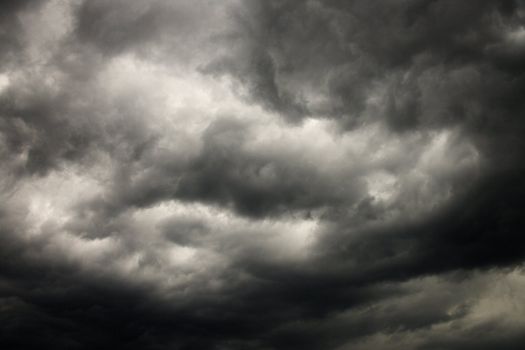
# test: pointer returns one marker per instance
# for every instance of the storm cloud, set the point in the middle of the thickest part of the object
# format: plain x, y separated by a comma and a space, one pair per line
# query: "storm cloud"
277, 174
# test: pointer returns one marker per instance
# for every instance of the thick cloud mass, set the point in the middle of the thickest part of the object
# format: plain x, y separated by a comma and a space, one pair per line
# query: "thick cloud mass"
276, 174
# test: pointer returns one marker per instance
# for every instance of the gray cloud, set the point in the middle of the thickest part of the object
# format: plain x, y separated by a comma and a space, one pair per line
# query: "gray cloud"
261, 175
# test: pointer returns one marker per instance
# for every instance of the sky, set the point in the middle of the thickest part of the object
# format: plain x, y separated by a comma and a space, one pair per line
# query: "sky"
262, 174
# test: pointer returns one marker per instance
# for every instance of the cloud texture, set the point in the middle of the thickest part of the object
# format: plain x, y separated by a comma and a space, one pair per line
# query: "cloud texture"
277, 174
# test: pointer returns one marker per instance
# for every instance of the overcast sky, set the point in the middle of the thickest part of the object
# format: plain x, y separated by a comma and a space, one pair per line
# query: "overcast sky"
262, 174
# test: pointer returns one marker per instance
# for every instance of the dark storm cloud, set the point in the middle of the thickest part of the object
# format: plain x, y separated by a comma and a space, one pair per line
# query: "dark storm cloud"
62, 306
436, 74
159, 30
257, 186
226, 173
231, 239
11, 39
481, 229
40, 124
342, 51
41, 115
120, 25
55, 113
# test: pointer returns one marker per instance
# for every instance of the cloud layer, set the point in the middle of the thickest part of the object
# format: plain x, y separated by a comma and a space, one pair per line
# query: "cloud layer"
262, 174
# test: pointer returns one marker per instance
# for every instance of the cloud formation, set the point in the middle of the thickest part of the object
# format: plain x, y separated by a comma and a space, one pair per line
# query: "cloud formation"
262, 174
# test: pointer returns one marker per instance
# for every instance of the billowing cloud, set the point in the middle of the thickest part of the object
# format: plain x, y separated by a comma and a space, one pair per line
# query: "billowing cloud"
262, 174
